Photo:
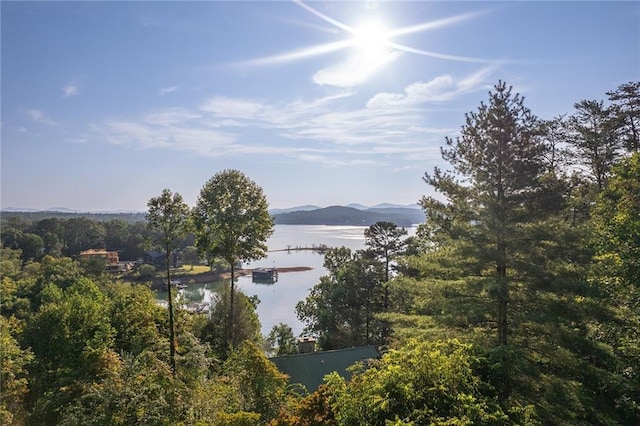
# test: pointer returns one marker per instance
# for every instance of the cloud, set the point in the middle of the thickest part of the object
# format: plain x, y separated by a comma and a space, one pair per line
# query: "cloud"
166, 90
441, 89
354, 70
40, 117
69, 90
340, 129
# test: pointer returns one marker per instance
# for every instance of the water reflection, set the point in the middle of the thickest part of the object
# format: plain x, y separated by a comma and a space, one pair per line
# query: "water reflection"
278, 301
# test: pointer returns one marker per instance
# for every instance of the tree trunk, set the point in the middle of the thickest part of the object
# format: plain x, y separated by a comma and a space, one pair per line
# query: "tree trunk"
503, 295
172, 330
230, 326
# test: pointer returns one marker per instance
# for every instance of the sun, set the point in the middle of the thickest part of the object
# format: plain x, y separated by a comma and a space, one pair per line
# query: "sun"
370, 39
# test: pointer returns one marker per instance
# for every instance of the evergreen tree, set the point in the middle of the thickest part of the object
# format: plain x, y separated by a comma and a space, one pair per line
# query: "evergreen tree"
594, 139
626, 99
498, 159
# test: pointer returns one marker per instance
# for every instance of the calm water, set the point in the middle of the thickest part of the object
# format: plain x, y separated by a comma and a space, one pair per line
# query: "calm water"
278, 300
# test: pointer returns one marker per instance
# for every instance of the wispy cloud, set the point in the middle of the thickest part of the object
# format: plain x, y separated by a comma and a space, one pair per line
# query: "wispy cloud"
40, 117
440, 89
354, 70
70, 90
336, 130
166, 90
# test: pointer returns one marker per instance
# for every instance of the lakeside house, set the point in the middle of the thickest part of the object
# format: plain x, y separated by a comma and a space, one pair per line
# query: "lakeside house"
111, 259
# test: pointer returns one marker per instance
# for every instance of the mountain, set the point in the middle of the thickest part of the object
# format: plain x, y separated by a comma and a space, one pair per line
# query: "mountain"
305, 208
357, 206
393, 206
339, 215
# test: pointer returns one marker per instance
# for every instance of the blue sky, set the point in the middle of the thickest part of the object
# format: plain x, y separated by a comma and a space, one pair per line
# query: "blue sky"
104, 104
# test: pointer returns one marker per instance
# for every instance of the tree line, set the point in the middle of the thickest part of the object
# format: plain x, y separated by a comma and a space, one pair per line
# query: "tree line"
516, 302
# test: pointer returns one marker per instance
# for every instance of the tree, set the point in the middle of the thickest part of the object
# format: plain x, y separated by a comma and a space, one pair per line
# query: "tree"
616, 220
499, 159
31, 245
169, 216
71, 338
425, 383
281, 337
555, 136
117, 234
493, 221
232, 221
263, 386
341, 309
82, 234
244, 317
190, 256
384, 240
13, 375
594, 138
626, 98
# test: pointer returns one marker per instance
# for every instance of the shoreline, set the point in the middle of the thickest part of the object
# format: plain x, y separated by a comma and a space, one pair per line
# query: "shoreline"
205, 277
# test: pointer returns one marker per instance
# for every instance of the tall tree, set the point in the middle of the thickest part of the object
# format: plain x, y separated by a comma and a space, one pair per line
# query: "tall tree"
626, 98
498, 159
491, 212
232, 222
169, 215
384, 239
594, 138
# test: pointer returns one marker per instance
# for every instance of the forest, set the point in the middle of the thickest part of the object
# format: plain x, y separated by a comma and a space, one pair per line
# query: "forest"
517, 302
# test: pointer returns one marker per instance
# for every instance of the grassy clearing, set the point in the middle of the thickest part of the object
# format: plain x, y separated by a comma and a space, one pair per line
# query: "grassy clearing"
187, 270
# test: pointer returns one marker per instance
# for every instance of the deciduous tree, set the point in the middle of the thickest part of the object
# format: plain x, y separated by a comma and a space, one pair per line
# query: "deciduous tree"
232, 222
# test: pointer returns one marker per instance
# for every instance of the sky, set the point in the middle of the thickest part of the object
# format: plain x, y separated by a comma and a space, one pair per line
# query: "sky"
105, 104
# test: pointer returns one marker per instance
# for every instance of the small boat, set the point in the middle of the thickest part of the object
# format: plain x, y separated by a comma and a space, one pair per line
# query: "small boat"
178, 284
265, 275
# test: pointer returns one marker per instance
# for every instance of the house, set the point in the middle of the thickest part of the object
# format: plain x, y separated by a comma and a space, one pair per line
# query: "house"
310, 368
158, 258
111, 259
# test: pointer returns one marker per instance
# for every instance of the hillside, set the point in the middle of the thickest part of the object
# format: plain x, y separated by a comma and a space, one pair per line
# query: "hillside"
339, 215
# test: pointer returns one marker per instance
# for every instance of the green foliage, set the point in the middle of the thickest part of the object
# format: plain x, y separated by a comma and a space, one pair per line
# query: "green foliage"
231, 218
281, 339
136, 318
245, 320
232, 222
13, 375
71, 338
168, 216
264, 386
417, 383
594, 138
139, 390
626, 100
341, 309
616, 269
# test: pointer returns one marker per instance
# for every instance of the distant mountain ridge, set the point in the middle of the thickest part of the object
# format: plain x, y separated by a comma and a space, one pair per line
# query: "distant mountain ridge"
340, 215
353, 214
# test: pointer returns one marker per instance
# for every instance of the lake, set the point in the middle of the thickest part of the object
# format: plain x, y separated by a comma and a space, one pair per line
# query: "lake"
278, 300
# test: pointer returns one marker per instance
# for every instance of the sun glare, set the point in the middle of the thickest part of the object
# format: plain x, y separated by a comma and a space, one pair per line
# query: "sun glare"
370, 38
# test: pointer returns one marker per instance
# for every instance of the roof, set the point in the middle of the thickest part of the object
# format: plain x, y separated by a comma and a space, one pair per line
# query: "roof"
309, 369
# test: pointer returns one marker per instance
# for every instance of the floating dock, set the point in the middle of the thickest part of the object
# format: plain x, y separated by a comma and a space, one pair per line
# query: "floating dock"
265, 275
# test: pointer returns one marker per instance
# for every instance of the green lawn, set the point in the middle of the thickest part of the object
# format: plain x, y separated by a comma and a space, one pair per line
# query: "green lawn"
186, 270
